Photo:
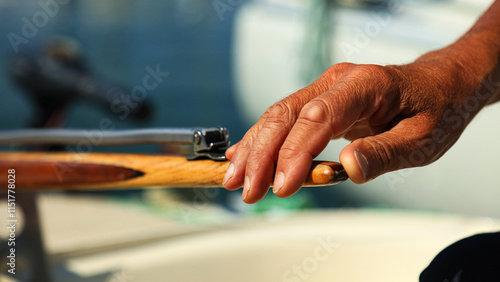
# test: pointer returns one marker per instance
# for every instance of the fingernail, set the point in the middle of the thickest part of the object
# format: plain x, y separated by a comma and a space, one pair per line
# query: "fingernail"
278, 182
229, 174
362, 162
246, 188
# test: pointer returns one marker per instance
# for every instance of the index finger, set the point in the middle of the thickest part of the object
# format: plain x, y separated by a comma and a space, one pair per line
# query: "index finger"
323, 118
255, 157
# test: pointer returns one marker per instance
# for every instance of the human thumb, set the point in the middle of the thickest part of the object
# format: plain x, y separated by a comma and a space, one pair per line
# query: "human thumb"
367, 158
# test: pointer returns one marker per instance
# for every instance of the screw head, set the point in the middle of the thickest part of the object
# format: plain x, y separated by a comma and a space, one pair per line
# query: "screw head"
197, 137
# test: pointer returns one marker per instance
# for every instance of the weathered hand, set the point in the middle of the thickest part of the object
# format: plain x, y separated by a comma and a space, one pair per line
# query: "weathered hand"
396, 116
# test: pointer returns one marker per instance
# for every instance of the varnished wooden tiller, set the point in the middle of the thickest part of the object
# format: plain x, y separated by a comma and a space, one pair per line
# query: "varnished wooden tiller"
204, 167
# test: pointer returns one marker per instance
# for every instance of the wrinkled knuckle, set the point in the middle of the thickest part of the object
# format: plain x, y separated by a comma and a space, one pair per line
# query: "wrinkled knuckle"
378, 72
260, 144
380, 79
384, 75
260, 151
289, 152
336, 69
257, 158
280, 108
316, 111
293, 149
245, 144
280, 112
339, 67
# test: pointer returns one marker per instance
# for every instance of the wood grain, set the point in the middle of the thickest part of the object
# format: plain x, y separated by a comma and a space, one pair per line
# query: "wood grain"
67, 171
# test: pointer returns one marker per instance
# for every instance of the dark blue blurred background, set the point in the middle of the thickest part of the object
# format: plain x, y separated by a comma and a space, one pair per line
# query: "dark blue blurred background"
189, 39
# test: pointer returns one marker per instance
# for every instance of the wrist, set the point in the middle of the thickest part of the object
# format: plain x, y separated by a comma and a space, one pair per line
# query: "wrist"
442, 81
472, 62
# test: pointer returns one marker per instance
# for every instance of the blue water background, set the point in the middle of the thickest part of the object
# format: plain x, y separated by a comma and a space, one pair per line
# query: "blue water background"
120, 38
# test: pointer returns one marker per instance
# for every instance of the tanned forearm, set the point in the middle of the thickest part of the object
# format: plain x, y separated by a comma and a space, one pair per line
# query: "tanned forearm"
474, 58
